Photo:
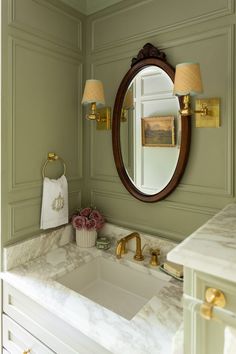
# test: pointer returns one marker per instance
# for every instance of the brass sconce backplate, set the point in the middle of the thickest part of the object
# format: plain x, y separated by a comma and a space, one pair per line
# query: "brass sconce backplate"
104, 123
212, 119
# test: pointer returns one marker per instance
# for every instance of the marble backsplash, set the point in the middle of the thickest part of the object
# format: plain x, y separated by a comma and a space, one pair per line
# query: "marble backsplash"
116, 232
22, 252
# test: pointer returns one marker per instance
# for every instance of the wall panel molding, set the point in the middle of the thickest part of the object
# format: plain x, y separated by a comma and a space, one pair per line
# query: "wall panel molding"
31, 209
43, 65
14, 44
92, 174
228, 9
165, 203
230, 111
101, 197
226, 190
15, 21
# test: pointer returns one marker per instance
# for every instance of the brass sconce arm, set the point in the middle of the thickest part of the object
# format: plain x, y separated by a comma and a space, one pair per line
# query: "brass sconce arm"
101, 115
186, 111
204, 111
93, 115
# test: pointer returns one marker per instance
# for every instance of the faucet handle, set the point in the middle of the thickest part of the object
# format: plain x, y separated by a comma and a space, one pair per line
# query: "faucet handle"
154, 252
157, 251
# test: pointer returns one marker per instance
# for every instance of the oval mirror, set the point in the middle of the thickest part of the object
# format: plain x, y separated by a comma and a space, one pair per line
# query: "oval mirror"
150, 139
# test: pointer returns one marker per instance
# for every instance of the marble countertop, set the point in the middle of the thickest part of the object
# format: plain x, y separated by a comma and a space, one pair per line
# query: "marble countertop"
212, 248
150, 331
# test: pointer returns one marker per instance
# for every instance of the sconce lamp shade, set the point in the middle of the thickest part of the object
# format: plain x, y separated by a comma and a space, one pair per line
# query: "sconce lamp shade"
187, 79
93, 92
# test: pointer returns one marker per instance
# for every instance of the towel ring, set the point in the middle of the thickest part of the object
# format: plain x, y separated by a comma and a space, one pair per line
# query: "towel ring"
53, 157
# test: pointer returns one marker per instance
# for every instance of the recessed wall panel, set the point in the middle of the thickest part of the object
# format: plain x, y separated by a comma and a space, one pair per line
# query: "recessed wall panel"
48, 21
149, 16
42, 84
160, 219
210, 161
204, 173
102, 162
24, 216
46, 88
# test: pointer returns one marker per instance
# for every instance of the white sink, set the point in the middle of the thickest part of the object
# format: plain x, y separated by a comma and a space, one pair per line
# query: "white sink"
115, 286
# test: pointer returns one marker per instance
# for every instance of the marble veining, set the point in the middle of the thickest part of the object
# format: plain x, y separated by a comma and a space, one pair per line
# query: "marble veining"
22, 252
117, 232
212, 248
150, 331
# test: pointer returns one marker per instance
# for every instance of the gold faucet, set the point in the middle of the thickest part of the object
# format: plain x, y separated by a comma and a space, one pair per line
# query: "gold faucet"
121, 246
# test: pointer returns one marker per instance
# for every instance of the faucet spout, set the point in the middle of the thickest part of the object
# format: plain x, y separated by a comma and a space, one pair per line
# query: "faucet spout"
120, 248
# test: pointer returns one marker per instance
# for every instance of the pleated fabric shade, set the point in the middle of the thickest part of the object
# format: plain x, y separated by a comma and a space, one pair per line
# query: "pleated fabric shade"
93, 92
187, 79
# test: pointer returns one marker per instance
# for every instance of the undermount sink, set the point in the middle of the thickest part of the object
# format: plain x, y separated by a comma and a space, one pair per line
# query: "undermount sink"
113, 285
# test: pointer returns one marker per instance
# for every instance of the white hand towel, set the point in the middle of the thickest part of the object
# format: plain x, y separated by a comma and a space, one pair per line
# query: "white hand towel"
230, 340
54, 203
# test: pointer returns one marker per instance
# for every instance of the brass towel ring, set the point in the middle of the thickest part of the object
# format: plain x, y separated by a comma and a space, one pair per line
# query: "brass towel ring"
53, 157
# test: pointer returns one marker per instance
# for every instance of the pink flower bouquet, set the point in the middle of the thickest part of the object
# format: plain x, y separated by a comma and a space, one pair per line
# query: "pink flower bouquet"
88, 219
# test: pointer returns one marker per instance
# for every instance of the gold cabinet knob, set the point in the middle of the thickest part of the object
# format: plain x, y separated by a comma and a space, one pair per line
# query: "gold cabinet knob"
27, 351
214, 297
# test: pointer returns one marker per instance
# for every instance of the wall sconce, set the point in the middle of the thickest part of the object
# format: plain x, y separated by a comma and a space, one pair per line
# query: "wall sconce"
94, 96
127, 105
188, 82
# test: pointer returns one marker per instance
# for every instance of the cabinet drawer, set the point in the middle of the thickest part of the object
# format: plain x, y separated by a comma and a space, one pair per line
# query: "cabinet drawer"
47, 327
17, 340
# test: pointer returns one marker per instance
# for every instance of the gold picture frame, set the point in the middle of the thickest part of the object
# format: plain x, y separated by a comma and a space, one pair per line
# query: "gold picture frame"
158, 131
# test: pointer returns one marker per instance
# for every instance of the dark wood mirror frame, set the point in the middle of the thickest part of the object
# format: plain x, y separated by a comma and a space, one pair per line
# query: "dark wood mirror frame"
148, 55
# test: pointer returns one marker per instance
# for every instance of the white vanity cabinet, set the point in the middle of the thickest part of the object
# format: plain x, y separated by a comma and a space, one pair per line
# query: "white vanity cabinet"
17, 340
206, 336
209, 260
29, 326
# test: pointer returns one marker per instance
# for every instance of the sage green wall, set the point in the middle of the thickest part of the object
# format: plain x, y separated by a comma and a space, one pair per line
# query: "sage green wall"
43, 60
200, 31
42, 63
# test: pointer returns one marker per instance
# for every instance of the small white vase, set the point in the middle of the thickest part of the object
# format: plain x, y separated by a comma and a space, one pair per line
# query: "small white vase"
86, 238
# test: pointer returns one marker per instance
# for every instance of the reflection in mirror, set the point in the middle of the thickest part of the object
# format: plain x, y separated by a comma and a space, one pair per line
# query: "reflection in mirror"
150, 94
150, 139
128, 104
